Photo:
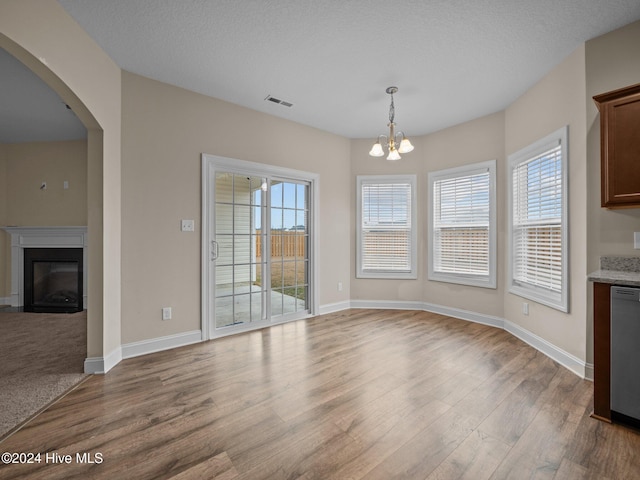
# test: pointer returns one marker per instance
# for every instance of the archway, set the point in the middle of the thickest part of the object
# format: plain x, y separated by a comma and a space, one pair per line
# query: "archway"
89, 82
93, 321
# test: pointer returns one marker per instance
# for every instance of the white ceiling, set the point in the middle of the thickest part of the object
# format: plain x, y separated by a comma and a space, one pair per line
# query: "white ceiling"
29, 110
452, 60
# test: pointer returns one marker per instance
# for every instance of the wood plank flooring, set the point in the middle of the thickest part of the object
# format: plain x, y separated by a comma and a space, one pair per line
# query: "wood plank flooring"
359, 394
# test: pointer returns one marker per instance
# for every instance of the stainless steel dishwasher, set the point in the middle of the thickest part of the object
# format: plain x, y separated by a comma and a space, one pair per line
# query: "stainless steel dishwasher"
625, 352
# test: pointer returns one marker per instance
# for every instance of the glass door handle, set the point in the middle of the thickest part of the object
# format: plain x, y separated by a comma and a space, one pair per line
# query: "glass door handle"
214, 250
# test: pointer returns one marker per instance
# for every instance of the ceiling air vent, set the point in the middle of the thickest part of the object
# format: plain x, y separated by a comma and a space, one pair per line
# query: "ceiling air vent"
278, 101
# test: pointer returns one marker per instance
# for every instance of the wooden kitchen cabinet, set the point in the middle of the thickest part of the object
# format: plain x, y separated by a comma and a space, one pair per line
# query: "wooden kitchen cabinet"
602, 351
620, 147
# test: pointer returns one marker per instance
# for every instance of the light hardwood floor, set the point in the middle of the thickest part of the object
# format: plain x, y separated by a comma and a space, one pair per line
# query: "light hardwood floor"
371, 394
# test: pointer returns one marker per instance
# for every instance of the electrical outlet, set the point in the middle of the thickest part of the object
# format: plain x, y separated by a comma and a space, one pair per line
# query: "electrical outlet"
166, 313
525, 308
339, 286
636, 240
187, 226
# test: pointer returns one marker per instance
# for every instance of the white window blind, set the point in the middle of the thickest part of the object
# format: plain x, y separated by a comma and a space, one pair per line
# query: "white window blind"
537, 222
386, 227
462, 222
538, 225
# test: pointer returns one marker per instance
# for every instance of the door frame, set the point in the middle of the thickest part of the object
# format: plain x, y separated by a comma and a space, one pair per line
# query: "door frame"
211, 163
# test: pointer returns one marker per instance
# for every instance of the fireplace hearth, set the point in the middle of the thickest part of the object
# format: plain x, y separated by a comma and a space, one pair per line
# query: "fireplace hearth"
53, 280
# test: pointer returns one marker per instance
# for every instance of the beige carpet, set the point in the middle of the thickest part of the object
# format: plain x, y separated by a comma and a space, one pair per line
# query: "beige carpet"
41, 357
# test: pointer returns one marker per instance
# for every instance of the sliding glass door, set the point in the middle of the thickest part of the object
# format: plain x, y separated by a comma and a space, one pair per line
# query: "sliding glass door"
289, 261
238, 246
257, 254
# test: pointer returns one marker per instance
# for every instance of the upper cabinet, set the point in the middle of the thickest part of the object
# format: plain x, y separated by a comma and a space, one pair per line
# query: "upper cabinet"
620, 147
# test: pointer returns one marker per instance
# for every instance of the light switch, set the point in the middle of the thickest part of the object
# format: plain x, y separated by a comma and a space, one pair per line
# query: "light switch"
188, 226
636, 240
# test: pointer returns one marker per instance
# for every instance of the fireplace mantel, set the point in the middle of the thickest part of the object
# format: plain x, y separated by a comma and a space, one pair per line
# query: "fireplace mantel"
42, 237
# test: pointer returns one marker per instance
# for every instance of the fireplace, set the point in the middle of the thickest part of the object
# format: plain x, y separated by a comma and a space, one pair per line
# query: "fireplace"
56, 239
53, 280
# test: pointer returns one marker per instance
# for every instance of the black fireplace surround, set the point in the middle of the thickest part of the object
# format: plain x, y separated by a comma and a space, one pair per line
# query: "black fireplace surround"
53, 280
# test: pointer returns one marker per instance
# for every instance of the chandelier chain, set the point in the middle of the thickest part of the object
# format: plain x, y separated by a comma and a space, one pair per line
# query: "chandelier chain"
392, 110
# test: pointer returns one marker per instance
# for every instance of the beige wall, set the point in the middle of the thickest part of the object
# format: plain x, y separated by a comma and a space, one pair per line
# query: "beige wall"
23, 168
46, 39
612, 62
30, 164
563, 97
555, 101
165, 131
471, 142
363, 164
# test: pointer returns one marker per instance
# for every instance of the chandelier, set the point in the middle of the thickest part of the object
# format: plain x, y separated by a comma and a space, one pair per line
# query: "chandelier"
396, 142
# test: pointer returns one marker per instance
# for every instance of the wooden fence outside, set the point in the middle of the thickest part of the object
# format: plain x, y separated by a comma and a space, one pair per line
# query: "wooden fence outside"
284, 243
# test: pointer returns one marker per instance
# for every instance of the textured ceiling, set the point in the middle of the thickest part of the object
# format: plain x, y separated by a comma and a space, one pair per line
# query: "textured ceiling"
452, 60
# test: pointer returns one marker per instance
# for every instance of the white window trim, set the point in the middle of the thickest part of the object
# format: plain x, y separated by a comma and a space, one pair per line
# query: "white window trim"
413, 273
486, 281
558, 301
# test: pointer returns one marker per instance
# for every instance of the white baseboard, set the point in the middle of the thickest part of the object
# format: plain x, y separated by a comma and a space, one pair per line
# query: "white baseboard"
431, 307
572, 363
387, 304
588, 371
111, 360
93, 365
101, 365
135, 349
334, 307
475, 317
565, 359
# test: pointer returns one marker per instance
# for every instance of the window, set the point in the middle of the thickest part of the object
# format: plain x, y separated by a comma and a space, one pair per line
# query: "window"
462, 225
538, 216
386, 232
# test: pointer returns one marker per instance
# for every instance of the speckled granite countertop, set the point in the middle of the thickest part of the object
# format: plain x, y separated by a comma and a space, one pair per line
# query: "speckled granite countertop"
618, 271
